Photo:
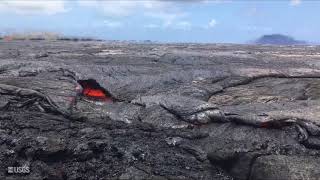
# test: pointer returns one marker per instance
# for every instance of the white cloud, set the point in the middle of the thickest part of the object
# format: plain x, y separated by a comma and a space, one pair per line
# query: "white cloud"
26, 7
253, 28
217, 1
151, 26
295, 2
162, 10
212, 23
252, 11
112, 24
183, 25
167, 18
112, 8
180, 25
125, 7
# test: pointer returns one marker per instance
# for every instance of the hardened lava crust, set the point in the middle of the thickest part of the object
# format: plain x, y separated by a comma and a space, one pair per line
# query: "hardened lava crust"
119, 110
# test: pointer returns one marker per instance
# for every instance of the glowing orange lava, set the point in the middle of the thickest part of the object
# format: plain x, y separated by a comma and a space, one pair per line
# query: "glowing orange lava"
92, 90
96, 93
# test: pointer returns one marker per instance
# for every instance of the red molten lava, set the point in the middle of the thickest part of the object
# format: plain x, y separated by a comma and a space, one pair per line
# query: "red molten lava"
92, 90
96, 93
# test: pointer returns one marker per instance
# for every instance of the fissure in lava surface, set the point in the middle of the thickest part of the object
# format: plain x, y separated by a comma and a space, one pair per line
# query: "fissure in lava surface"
92, 90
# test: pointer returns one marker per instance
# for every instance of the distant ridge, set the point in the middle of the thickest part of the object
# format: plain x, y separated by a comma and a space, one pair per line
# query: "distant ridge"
43, 36
278, 39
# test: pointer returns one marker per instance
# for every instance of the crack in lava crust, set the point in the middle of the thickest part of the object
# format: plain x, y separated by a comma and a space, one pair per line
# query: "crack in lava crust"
92, 90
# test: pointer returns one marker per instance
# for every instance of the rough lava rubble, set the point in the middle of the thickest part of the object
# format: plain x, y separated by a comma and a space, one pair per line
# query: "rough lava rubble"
179, 111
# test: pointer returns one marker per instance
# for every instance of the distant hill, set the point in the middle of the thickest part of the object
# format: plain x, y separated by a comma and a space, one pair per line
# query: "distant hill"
278, 39
43, 36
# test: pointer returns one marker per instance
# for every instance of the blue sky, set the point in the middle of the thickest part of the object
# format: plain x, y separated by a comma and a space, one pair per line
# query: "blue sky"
221, 21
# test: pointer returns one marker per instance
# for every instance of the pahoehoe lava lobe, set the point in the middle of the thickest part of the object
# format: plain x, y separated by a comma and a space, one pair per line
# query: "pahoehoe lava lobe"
98, 110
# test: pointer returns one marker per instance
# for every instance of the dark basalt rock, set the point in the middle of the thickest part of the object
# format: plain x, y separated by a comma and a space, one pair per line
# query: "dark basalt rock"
177, 111
278, 167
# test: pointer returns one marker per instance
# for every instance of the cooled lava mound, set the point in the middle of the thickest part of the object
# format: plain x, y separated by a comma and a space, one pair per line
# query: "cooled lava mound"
108, 110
